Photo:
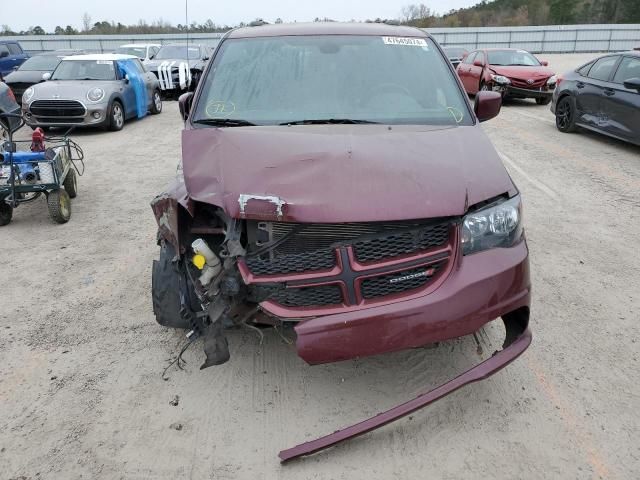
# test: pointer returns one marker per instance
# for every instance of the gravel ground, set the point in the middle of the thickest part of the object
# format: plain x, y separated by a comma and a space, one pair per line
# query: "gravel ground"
81, 357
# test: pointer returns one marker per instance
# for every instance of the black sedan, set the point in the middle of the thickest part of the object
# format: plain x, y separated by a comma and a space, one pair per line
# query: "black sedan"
31, 71
602, 95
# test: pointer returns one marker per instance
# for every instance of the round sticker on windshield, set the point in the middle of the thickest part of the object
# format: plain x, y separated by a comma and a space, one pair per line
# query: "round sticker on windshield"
220, 109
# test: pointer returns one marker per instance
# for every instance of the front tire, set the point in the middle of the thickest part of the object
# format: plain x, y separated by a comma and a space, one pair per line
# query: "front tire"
116, 116
167, 278
543, 101
156, 102
71, 183
59, 205
6, 213
565, 115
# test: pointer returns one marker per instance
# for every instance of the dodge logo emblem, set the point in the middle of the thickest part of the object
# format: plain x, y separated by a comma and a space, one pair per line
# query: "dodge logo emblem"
530, 81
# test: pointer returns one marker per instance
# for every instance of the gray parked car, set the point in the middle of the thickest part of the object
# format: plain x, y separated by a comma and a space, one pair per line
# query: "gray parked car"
92, 90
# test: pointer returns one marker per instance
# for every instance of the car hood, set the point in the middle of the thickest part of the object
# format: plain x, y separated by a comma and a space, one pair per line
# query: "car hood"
154, 64
25, 76
522, 73
70, 89
342, 173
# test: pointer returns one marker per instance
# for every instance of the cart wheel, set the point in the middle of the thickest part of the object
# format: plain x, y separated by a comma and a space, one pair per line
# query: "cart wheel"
6, 212
71, 183
59, 205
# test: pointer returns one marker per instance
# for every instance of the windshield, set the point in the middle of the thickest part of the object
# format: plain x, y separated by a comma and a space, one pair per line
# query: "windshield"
176, 51
512, 57
139, 52
279, 80
41, 63
85, 70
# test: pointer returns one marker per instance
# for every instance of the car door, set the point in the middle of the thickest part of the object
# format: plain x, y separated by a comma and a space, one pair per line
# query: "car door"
128, 95
621, 105
464, 69
148, 78
475, 72
590, 90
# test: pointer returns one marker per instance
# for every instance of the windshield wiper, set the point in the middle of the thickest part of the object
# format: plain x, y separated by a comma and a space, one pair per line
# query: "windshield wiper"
224, 122
329, 121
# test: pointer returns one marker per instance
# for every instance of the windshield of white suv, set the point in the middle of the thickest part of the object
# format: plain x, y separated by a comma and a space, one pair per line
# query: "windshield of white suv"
176, 51
330, 79
512, 57
85, 70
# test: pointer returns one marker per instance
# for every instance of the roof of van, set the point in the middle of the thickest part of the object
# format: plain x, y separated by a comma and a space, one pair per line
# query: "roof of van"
327, 28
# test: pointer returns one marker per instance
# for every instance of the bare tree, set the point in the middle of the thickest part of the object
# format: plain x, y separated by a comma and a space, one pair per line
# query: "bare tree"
86, 22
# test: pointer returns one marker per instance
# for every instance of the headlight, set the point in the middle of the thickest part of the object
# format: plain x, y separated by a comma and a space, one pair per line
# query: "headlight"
553, 79
497, 225
95, 94
28, 94
500, 79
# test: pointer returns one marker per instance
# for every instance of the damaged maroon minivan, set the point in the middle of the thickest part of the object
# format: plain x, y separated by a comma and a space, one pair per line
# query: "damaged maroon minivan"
335, 177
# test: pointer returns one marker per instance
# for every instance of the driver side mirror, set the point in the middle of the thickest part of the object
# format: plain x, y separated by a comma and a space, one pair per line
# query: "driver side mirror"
544, 63
487, 105
126, 78
4, 54
46, 76
478, 63
633, 84
184, 105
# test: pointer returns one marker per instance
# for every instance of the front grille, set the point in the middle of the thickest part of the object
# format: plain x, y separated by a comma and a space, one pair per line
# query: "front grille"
293, 263
398, 282
523, 83
309, 296
402, 243
311, 247
60, 120
57, 108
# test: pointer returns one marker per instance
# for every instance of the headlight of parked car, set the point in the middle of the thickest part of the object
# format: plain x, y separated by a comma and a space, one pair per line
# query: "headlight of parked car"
501, 79
95, 94
496, 225
552, 80
28, 94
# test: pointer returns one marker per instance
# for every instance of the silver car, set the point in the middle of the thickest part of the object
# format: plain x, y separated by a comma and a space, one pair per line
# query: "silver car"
92, 90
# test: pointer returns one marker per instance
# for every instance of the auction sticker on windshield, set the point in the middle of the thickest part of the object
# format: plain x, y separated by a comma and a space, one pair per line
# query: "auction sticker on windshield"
405, 41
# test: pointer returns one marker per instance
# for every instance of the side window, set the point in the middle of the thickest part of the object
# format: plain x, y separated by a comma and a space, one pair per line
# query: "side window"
14, 48
139, 66
629, 68
480, 56
470, 58
601, 70
584, 71
4, 51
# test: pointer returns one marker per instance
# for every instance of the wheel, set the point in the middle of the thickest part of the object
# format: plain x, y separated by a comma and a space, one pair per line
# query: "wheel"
156, 102
71, 183
59, 205
116, 116
543, 101
6, 212
565, 115
166, 279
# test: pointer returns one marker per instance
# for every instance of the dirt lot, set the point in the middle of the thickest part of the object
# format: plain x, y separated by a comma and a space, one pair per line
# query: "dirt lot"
81, 357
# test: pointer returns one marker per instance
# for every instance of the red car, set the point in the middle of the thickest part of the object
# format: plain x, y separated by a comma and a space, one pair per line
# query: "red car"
513, 73
336, 179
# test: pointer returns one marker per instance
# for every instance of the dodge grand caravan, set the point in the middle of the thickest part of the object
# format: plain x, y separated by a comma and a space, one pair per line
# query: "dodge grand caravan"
336, 178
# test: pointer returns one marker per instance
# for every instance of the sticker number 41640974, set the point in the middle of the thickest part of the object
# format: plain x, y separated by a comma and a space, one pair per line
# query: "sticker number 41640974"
405, 41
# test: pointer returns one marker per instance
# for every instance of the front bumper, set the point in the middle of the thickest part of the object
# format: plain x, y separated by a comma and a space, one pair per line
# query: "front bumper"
517, 92
480, 288
96, 114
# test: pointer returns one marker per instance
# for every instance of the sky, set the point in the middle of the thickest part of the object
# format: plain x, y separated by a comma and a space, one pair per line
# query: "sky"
49, 13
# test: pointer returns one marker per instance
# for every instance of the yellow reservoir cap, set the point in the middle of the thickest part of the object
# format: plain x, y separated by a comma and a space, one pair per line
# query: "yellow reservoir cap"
199, 261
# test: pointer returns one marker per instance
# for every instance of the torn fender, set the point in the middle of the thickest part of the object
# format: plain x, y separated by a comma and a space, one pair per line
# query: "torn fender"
518, 338
167, 208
